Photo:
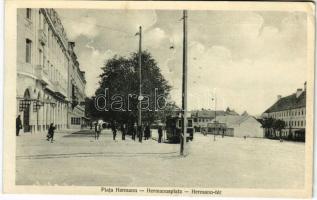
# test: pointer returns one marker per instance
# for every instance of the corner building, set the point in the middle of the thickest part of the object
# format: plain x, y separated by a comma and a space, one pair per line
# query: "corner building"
292, 110
43, 71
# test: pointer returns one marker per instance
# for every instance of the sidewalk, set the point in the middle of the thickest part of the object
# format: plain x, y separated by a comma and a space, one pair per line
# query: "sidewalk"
62, 131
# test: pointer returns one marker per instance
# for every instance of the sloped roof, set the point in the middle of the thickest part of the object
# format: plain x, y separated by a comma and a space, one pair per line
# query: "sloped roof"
211, 113
288, 102
208, 113
231, 112
232, 120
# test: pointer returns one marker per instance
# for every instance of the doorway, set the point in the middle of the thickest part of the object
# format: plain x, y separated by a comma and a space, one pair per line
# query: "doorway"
26, 113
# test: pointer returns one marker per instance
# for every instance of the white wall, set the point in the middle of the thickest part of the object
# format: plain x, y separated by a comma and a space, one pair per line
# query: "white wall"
250, 128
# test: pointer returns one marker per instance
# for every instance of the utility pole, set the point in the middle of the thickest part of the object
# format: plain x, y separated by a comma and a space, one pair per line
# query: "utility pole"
140, 84
184, 88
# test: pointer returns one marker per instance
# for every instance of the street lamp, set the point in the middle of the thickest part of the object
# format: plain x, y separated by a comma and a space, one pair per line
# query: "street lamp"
37, 105
24, 103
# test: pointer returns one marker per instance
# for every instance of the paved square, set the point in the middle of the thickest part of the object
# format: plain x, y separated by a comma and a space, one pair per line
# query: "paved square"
77, 159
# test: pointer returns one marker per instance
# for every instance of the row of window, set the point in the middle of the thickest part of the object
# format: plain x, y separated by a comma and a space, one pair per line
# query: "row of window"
75, 121
202, 120
299, 112
53, 74
295, 123
55, 49
52, 45
52, 55
55, 52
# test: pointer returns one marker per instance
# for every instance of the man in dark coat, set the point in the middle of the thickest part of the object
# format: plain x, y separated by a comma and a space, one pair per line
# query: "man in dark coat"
114, 130
160, 134
134, 130
147, 132
18, 124
123, 131
50, 134
139, 132
97, 130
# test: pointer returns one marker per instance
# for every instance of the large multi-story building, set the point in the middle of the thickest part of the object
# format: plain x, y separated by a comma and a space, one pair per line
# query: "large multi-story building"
76, 91
44, 71
292, 110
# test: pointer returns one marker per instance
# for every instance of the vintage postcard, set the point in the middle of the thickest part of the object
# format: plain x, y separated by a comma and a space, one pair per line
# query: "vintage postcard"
203, 99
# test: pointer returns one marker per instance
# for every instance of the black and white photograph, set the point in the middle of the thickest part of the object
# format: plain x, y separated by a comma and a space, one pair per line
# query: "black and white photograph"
197, 99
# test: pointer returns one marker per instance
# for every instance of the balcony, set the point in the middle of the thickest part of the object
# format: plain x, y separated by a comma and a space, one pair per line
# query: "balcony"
41, 74
42, 37
59, 91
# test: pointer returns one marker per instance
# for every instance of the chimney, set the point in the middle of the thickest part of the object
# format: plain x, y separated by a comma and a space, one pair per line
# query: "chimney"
299, 92
305, 84
279, 97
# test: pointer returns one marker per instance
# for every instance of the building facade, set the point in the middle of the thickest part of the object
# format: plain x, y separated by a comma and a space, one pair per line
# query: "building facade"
76, 91
292, 110
236, 126
43, 62
202, 118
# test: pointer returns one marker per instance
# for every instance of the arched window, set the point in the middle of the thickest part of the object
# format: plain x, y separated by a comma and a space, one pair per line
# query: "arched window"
27, 94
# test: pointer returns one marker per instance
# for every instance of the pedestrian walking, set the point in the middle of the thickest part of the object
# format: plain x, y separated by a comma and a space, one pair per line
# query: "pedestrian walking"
114, 130
18, 124
97, 130
50, 134
123, 131
160, 134
139, 132
134, 131
147, 132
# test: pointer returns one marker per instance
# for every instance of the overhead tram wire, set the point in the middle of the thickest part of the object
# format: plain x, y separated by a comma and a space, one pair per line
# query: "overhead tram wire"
127, 34
100, 26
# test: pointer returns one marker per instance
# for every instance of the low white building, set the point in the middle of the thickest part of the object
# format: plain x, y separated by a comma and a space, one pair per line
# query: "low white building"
237, 126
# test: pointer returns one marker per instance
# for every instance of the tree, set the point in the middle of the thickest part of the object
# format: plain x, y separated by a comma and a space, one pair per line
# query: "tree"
279, 125
120, 85
171, 109
267, 124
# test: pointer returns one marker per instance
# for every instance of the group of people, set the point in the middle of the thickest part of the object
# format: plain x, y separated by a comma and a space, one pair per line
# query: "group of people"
133, 130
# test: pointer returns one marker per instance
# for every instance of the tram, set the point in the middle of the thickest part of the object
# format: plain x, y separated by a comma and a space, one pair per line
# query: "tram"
174, 129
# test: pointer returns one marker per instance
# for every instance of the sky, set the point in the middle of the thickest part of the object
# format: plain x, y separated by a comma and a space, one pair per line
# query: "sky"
243, 59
